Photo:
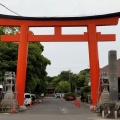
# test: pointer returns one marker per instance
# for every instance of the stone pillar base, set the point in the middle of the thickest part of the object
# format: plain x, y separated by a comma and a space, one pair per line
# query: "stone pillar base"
22, 108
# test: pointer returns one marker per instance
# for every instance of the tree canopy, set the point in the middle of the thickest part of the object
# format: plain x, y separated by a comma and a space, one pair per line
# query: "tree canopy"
63, 87
67, 81
36, 66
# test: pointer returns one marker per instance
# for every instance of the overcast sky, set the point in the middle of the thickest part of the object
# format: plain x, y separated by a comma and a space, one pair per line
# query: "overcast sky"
65, 56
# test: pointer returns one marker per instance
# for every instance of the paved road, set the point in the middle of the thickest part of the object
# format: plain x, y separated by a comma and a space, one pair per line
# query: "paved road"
54, 109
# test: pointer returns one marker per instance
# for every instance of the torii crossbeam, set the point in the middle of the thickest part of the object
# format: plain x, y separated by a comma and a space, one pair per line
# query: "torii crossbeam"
91, 36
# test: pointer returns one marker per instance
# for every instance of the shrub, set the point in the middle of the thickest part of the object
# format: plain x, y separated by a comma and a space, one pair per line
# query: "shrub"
69, 96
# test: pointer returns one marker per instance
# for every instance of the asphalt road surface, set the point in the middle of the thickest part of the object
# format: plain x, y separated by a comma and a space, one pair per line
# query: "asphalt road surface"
54, 109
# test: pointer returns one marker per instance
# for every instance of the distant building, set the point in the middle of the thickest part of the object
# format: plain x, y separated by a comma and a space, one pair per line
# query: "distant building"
50, 90
106, 68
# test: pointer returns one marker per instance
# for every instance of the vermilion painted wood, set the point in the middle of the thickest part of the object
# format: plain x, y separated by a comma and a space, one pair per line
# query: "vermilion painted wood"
59, 38
22, 64
94, 64
63, 23
91, 36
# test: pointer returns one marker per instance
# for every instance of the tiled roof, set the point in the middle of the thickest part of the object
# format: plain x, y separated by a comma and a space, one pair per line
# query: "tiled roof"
106, 68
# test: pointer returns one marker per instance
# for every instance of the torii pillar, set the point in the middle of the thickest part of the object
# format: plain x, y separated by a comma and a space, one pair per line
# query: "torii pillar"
91, 36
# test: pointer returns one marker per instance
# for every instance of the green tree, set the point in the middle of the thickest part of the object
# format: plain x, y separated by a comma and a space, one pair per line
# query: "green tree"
63, 87
79, 80
36, 70
64, 75
55, 81
8, 58
73, 81
83, 83
68, 76
8, 53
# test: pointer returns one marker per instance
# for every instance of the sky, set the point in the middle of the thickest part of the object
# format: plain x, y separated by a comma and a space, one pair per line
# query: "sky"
68, 55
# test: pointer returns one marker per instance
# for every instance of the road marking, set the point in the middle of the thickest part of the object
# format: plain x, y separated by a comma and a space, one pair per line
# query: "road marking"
63, 110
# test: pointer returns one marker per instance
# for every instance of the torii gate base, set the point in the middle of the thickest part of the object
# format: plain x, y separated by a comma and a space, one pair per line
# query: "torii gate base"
92, 37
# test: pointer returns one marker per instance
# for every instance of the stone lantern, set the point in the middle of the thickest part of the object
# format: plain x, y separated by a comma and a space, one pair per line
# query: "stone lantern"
9, 102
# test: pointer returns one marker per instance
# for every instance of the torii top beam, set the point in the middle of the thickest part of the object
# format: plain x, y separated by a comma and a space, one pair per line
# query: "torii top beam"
106, 19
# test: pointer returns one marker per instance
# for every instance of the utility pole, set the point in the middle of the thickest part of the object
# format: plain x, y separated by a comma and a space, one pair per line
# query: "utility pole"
69, 75
70, 81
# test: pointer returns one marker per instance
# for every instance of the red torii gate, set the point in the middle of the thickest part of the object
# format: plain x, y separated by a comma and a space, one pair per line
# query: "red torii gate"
91, 36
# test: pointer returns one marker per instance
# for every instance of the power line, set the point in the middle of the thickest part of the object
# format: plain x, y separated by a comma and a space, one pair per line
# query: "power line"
9, 9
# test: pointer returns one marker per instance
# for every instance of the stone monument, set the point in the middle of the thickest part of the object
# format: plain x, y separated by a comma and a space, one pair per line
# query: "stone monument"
108, 104
113, 80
